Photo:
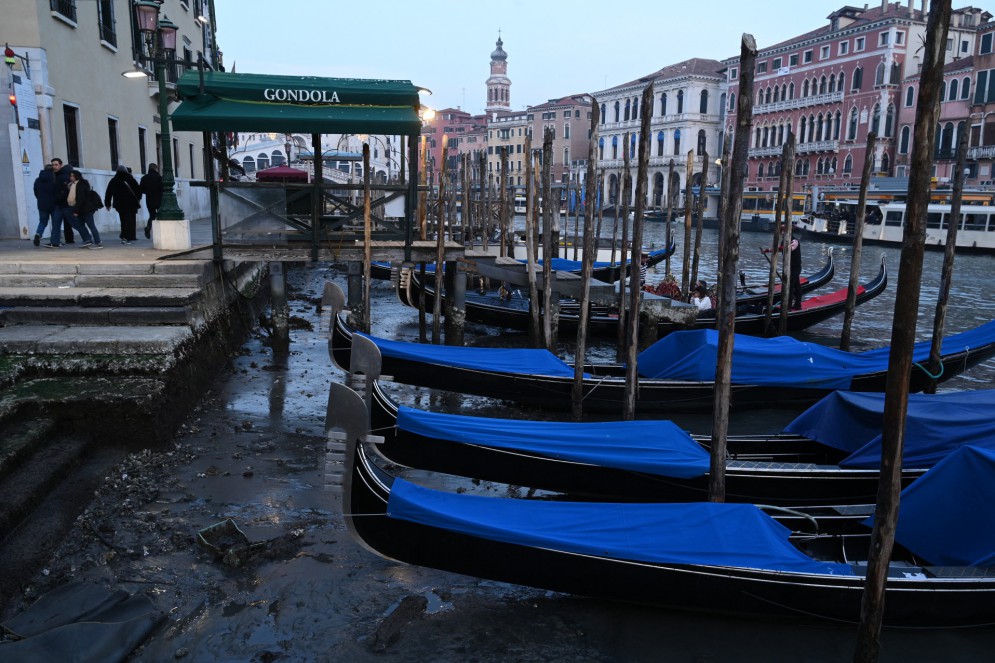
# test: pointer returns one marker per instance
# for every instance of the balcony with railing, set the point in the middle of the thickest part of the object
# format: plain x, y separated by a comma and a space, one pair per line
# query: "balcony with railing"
818, 146
799, 102
107, 33
981, 152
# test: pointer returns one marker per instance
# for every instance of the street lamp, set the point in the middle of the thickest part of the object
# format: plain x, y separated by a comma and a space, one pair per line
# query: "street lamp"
160, 37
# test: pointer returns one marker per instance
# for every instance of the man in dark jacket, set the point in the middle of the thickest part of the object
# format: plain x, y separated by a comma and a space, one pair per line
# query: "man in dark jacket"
63, 210
151, 188
45, 195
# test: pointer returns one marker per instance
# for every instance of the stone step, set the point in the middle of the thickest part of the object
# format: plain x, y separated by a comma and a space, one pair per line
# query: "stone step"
92, 340
100, 297
97, 315
101, 280
201, 268
20, 438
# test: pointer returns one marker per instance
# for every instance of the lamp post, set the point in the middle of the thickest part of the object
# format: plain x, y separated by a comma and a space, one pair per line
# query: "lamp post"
160, 36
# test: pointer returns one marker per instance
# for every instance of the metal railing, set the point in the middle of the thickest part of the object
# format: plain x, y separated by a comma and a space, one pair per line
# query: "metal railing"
65, 7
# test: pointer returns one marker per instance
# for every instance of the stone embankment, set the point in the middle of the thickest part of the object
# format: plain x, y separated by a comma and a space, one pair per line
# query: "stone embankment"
101, 353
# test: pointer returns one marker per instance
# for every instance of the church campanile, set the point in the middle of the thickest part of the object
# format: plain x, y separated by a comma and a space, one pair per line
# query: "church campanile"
499, 85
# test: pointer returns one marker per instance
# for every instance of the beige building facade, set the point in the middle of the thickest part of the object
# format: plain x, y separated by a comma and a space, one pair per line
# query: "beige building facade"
76, 105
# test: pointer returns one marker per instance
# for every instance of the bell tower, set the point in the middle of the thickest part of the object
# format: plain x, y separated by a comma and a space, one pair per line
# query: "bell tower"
499, 85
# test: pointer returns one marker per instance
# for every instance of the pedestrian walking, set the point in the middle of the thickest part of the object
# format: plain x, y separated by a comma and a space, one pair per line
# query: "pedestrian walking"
63, 214
45, 195
151, 188
122, 194
85, 202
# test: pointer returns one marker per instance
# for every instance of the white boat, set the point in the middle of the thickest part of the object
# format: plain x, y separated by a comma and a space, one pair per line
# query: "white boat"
884, 223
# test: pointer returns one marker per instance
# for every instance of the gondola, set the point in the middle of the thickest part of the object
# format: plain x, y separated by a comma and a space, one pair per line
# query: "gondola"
834, 460
676, 373
730, 558
490, 308
602, 271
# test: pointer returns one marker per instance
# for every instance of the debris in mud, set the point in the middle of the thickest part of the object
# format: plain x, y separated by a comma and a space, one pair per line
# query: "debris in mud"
229, 544
389, 630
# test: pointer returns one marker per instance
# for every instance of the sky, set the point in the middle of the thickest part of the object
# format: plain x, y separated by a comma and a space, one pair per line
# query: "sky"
554, 49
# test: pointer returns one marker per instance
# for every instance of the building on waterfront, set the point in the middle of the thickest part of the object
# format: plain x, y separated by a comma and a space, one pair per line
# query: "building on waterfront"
687, 117
981, 153
833, 85
72, 101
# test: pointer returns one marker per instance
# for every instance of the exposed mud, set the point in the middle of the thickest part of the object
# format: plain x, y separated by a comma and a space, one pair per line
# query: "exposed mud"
253, 451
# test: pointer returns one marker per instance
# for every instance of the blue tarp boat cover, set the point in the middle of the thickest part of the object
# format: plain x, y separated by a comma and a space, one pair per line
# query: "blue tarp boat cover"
783, 361
703, 533
946, 517
505, 360
653, 447
935, 425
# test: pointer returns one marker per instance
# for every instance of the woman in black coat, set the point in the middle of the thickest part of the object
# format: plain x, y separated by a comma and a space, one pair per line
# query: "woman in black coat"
122, 194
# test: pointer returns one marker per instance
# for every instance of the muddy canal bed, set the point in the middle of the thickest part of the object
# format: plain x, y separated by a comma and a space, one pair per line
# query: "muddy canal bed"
253, 452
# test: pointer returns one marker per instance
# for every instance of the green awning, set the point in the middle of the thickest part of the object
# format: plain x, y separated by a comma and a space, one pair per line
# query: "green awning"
295, 104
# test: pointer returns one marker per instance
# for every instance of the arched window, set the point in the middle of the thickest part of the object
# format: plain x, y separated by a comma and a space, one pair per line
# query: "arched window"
601, 148
848, 164
947, 141
760, 98
903, 142
819, 166
659, 143
965, 88
896, 73
722, 103
832, 168
910, 96
615, 147
767, 96
604, 114
777, 94
953, 90
798, 168
626, 116
249, 164
889, 120
822, 85
760, 170
879, 74
701, 142
770, 169
805, 88
801, 132
943, 91
784, 92
811, 128
818, 128
276, 158
703, 106
663, 104
635, 108
805, 167
876, 119
677, 136
766, 140
791, 90
680, 101
837, 120
756, 137
840, 83
632, 146
832, 82
732, 101
858, 79
617, 111
885, 163
262, 161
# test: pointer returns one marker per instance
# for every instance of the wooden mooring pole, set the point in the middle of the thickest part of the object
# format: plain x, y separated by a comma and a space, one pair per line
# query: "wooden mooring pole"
550, 302
367, 238
782, 195
531, 200
587, 267
635, 286
858, 243
440, 250
947, 271
699, 224
903, 333
625, 186
728, 261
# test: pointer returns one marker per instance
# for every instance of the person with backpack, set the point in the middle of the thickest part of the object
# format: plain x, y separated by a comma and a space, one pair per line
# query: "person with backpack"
86, 201
123, 194
151, 188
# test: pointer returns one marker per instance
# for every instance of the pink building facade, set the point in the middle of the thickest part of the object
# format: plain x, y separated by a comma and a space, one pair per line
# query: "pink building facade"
834, 85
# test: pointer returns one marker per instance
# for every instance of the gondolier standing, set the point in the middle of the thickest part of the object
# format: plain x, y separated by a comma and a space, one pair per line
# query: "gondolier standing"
795, 254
